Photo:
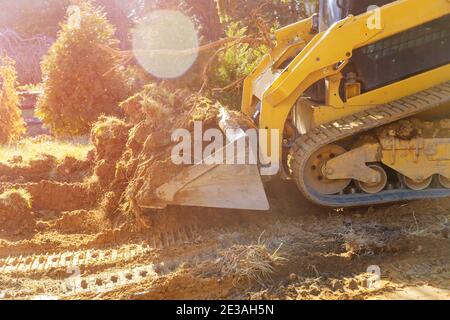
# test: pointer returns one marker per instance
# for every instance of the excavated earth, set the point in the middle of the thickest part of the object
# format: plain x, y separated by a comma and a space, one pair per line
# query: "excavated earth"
294, 251
75, 230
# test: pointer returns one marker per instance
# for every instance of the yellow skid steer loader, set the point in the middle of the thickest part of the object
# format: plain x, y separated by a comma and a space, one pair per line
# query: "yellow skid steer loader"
353, 101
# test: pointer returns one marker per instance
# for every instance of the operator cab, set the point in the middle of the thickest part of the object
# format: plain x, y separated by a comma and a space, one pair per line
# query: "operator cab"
419, 49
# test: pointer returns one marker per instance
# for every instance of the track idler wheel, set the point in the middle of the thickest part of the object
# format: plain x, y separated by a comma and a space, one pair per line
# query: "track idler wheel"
375, 187
314, 177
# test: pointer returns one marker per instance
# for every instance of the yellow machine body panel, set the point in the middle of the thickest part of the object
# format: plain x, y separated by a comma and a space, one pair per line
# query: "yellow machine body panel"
324, 55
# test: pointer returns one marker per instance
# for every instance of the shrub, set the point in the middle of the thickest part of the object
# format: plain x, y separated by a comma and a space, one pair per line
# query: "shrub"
152, 102
234, 64
274, 12
15, 212
12, 125
81, 78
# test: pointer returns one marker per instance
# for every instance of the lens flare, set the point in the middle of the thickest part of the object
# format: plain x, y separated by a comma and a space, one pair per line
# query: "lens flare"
165, 43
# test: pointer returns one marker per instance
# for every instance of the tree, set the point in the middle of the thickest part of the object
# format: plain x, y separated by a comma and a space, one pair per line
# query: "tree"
208, 16
12, 125
243, 18
31, 17
232, 65
275, 12
80, 77
206, 20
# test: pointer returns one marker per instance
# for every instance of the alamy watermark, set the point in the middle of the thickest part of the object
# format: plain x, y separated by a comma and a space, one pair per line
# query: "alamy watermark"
374, 20
374, 281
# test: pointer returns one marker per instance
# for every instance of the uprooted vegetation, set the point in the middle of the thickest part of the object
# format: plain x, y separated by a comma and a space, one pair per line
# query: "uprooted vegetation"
131, 157
16, 217
248, 264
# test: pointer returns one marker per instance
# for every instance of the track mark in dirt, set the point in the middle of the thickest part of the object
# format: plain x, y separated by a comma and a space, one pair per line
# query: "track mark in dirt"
177, 256
44, 263
75, 284
79, 279
107, 281
72, 274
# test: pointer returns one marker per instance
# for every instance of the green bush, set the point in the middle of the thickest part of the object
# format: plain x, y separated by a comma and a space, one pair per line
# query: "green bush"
80, 75
12, 125
275, 12
234, 64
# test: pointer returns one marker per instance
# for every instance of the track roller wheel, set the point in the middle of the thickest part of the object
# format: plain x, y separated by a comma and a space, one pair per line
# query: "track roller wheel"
417, 185
314, 177
444, 182
376, 187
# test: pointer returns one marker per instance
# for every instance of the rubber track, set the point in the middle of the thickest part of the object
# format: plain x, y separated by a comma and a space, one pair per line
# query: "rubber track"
358, 123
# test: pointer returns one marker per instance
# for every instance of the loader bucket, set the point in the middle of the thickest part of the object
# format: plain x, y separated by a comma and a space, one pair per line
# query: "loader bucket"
227, 186
221, 186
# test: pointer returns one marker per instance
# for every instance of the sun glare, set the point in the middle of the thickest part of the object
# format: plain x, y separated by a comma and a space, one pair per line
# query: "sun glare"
166, 43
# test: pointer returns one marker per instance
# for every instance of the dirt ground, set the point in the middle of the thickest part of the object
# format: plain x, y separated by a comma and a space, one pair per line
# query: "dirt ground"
75, 228
295, 251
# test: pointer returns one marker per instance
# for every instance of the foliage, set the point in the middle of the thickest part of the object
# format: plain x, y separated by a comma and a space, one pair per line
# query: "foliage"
37, 17
233, 64
26, 52
275, 12
204, 13
31, 17
152, 102
206, 20
81, 81
29, 27
12, 125
256, 18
